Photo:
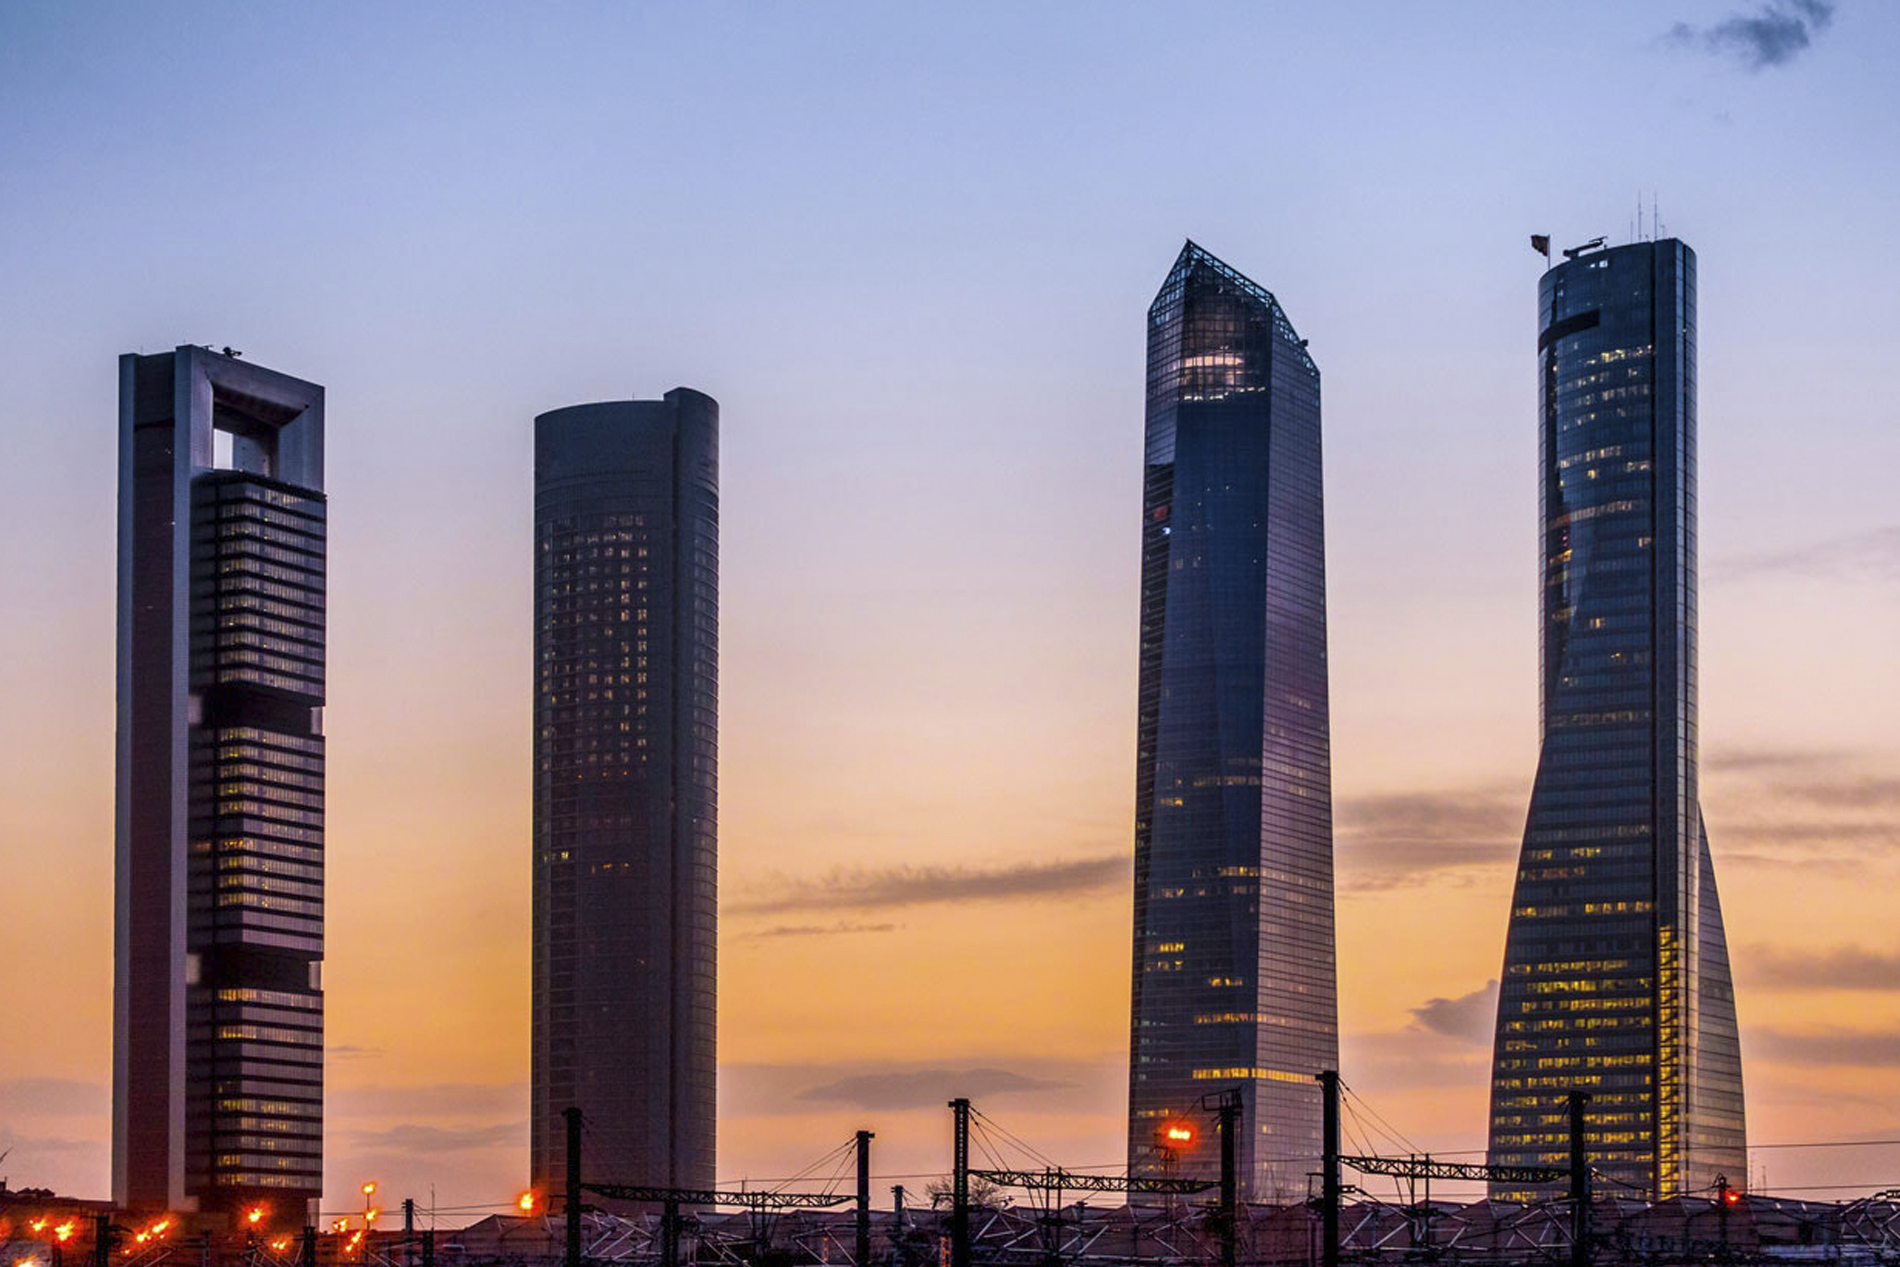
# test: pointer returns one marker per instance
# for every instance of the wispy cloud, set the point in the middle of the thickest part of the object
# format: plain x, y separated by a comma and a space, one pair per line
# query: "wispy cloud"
885, 888
1469, 1018
414, 1137
1399, 839
52, 1097
1036, 1083
1875, 552
1772, 35
438, 1099
1849, 1048
837, 928
926, 1088
1840, 968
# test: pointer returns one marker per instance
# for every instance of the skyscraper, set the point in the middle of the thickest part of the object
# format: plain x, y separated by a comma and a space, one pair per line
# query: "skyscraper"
1616, 975
217, 996
1234, 982
626, 644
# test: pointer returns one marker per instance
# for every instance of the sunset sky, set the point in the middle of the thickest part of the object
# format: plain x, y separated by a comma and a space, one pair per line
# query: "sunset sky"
909, 248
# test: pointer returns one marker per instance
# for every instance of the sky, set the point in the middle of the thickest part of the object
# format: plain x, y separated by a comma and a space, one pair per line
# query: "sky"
909, 249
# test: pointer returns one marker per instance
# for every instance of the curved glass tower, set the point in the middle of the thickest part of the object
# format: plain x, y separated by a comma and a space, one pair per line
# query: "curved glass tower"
1616, 975
1233, 951
626, 697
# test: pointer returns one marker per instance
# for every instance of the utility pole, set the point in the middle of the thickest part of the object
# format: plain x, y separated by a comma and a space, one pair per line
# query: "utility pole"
573, 1255
309, 1246
1228, 1109
1721, 1210
1329, 1184
864, 1198
101, 1239
1579, 1184
960, 1185
670, 1234
408, 1231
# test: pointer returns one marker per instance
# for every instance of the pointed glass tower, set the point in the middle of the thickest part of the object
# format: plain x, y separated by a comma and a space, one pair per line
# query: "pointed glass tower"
1616, 976
1234, 984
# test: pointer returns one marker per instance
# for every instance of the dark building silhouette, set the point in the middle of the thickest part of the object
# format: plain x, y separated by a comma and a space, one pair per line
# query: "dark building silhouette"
217, 995
626, 643
1616, 975
1234, 981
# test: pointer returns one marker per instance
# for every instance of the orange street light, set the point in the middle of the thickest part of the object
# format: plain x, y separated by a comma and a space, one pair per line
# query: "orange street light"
525, 1202
1177, 1135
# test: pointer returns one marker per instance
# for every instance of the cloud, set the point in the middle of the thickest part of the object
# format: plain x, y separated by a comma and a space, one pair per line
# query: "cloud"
439, 1099
1841, 968
1469, 1018
1773, 35
878, 888
347, 1052
1033, 1084
1399, 839
1766, 760
926, 1088
816, 930
1876, 551
413, 1137
1852, 1048
52, 1097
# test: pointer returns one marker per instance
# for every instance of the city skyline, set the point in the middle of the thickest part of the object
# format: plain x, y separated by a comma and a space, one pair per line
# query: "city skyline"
869, 238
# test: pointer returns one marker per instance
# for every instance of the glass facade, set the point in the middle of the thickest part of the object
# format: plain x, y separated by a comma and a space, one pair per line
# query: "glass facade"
218, 1068
625, 787
1234, 980
1616, 977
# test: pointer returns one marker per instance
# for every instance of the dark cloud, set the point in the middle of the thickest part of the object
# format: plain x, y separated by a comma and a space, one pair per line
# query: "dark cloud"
1773, 35
926, 1088
347, 1052
878, 888
412, 1137
1876, 551
1407, 838
1855, 1049
1842, 968
816, 930
1469, 1018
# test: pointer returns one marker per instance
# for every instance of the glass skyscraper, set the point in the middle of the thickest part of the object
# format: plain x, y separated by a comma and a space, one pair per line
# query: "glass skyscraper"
217, 993
626, 696
1234, 981
1616, 974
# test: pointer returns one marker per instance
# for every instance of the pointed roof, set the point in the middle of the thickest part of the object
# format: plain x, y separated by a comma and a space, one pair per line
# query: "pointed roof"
1196, 260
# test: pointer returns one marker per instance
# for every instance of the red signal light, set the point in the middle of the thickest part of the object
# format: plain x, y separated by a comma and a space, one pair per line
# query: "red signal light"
1732, 1195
